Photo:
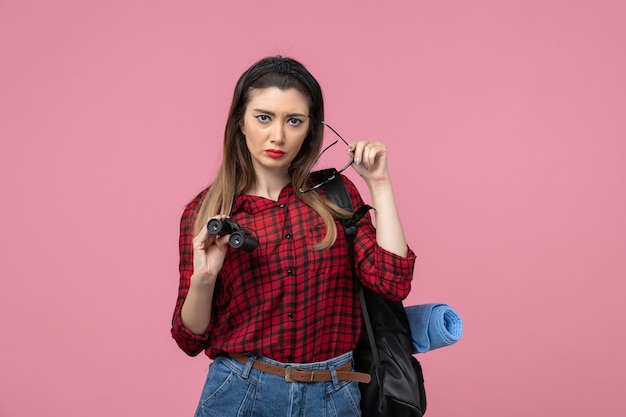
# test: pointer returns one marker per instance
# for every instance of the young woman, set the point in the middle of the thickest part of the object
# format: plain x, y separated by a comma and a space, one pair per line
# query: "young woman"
280, 321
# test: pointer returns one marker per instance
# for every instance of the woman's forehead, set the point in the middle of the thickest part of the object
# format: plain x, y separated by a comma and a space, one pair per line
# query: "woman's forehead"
273, 98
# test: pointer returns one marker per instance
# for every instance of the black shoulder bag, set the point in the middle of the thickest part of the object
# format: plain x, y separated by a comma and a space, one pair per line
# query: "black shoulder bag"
384, 351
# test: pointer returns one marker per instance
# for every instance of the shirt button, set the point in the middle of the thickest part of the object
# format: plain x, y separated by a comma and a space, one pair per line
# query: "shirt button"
290, 315
288, 236
290, 272
282, 206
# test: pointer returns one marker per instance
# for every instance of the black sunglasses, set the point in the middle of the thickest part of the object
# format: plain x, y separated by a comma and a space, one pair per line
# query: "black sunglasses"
335, 173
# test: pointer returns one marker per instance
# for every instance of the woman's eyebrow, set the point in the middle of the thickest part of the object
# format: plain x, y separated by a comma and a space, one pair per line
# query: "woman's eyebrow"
271, 113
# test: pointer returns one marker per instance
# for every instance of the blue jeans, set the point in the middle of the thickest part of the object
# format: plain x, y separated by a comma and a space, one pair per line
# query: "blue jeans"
234, 389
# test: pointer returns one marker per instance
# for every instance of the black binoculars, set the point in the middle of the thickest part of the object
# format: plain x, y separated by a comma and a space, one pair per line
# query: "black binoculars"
240, 238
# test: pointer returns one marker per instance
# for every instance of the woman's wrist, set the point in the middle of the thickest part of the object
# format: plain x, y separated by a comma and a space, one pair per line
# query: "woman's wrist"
203, 282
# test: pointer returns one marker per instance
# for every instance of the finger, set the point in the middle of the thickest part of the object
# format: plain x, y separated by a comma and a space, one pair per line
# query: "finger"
350, 150
357, 152
221, 242
372, 153
200, 239
362, 153
367, 155
204, 239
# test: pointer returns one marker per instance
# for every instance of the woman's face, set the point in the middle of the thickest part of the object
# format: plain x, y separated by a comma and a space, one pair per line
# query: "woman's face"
275, 124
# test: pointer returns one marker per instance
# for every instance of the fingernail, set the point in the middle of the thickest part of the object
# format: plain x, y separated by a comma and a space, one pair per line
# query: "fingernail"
349, 149
367, 166
357, 161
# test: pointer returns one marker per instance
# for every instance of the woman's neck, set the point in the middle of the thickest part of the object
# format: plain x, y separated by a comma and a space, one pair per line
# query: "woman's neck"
268, 185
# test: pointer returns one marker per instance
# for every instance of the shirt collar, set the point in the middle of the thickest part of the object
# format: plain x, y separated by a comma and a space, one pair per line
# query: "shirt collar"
251, 204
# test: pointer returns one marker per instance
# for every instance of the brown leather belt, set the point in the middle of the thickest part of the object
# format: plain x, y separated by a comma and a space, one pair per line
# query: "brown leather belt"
295, 374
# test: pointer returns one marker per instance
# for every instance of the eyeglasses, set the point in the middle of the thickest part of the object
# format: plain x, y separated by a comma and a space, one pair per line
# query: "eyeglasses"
335, 172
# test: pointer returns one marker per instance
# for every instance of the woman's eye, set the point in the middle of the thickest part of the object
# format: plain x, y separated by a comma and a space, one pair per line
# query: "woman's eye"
294, 122
263, 118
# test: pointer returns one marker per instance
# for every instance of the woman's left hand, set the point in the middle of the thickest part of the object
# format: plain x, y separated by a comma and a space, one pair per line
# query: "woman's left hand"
370, 159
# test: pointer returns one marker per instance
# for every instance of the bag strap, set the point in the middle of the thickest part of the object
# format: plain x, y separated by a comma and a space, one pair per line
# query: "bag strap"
337, 192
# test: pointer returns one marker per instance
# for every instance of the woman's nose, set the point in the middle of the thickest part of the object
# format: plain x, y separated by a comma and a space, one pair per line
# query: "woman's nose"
277, 133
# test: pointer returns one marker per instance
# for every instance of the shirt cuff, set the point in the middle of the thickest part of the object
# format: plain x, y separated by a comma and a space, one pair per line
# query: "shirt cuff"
189, 342
396, 265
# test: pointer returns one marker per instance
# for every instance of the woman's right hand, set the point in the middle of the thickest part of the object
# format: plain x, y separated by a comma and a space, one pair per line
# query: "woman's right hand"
209, 252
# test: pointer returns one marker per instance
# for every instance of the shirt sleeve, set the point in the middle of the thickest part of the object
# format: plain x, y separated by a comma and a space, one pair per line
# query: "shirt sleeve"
381, 271
192, 344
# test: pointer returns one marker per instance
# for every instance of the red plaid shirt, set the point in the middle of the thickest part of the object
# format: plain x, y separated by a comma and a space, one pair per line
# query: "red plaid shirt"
286, 300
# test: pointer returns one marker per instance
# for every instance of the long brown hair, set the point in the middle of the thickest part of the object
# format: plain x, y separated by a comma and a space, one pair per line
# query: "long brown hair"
236, 174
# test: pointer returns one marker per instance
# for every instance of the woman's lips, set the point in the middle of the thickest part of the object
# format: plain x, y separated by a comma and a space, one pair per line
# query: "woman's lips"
274, 153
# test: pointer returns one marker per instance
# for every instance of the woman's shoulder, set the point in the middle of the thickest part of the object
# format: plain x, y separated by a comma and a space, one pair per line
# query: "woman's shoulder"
352, 189
350, 186
355, 194
192, 207
330, 188
197, 200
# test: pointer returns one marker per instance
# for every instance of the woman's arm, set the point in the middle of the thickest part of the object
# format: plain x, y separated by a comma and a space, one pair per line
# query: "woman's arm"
196, 285
370, 162
208, 257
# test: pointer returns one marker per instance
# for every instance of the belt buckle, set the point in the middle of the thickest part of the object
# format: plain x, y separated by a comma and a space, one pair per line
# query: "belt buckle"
288, 371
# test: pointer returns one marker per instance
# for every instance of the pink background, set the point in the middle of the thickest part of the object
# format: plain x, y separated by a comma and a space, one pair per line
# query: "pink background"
506, 127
